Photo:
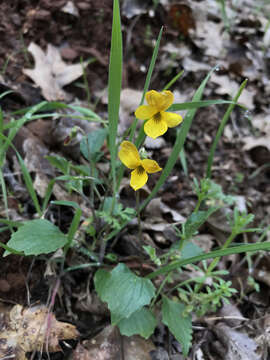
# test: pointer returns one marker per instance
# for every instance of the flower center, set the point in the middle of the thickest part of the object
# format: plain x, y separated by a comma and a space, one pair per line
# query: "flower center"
157, 117
140, 170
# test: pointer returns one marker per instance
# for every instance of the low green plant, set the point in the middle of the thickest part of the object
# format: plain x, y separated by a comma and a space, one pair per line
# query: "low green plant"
138, 301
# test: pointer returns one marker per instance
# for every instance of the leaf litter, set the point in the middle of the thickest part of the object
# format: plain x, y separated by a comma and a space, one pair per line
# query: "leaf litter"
55, 72
206, 43
32, 329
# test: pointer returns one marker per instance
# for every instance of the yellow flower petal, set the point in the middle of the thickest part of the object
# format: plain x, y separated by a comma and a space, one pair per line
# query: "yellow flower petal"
138, 178
129, 155
172, 119
154, 128
160, 101
145, 112
151, 166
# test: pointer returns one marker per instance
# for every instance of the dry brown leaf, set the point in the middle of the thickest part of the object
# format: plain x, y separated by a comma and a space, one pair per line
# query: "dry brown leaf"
251, 142
232, 314
51, 73
137, 348
228, 86
131, 8
157, 208
239, 345
204, 241
182, 18
210, 36
105, 346
259, 146
71, 9
33, 329
110, 345
193, 65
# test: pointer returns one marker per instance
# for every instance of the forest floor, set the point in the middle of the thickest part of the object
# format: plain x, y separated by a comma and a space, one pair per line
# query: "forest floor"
197, 36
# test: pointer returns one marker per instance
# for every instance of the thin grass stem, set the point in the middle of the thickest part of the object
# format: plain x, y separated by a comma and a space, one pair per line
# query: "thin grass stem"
221, 128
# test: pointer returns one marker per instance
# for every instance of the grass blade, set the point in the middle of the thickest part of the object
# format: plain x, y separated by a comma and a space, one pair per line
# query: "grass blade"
27, 178
73, 228
183, 161
48, 194
203, 103
238, 249
4, 192
29, 184
174, 79
221, 128
6, 93
115, 82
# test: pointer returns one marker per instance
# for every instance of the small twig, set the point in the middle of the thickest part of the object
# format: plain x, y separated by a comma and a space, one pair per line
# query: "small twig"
215, 318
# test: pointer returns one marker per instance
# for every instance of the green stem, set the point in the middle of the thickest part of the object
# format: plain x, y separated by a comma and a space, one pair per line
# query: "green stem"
216, 260
198, 204
159, 290
138, 214
4, 192
221, 128
73, 228
12, 251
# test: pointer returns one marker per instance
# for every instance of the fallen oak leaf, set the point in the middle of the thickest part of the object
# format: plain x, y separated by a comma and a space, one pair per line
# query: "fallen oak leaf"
32, 329
51, 73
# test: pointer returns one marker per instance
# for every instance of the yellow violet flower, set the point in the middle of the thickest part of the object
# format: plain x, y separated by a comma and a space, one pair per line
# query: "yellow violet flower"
130, 157
159, 120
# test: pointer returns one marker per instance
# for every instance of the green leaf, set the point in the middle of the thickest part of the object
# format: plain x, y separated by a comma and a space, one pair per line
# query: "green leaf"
91, 115
124, 292
141, 322
190, 250
66, 203
59, 162
214, 191
180, 326
37, 237
195, 220
92, 143
88, 114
